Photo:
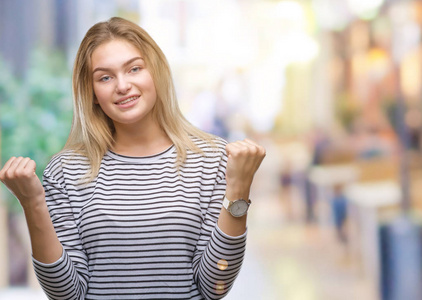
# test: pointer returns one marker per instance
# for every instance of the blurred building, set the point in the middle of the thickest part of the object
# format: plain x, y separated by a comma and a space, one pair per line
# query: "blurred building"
52, 24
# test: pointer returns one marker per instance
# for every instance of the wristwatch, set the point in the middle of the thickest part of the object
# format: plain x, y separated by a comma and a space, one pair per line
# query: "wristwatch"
236, 208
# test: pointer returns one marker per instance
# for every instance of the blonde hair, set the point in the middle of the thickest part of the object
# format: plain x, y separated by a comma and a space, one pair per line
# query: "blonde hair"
92, 130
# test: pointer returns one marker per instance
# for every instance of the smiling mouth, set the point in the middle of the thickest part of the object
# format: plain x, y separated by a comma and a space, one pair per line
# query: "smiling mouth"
127, 100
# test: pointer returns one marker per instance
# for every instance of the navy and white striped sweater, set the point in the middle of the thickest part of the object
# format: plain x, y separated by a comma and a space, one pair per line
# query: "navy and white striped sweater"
141, 229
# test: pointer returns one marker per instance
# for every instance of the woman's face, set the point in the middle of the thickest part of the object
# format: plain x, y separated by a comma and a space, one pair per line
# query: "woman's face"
122, 84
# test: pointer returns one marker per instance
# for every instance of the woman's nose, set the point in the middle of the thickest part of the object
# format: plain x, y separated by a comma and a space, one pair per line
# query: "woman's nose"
123, 85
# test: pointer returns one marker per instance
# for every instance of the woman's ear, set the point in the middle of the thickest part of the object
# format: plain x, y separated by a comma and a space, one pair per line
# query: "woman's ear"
95, 99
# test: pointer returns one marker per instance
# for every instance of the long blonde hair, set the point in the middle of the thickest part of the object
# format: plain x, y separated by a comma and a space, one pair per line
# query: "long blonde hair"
92, 130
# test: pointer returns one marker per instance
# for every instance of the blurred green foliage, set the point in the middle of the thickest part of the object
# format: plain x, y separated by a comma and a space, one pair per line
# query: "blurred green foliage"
35, 110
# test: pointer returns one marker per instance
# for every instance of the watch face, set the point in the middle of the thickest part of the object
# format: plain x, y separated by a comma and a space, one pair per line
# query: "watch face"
239, 208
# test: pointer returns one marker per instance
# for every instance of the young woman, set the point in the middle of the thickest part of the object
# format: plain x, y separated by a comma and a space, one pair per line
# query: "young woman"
139, 204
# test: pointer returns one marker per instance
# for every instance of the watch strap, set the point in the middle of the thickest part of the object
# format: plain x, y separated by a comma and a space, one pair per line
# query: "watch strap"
226, 203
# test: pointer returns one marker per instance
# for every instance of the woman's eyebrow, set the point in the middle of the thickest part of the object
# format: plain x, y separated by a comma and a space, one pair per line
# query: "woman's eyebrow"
124, 65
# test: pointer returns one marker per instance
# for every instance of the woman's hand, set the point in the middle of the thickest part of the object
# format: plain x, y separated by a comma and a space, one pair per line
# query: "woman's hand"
18, 174
244, 159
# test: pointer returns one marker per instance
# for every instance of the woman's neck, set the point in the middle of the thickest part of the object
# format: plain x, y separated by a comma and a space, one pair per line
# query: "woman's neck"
132, 141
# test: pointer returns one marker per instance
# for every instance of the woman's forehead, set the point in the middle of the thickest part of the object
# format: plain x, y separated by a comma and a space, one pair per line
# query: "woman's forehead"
113, 53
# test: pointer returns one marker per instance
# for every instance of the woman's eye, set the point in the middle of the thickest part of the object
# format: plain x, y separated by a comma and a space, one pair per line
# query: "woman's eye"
105, 78
135, 69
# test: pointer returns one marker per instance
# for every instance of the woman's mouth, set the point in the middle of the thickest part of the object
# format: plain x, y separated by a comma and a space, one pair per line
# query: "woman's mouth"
128, 100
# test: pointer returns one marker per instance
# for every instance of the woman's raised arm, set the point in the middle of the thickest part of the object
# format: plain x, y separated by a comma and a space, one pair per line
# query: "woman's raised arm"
18, 175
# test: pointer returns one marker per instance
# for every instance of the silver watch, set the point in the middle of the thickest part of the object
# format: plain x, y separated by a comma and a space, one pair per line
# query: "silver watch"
237, 208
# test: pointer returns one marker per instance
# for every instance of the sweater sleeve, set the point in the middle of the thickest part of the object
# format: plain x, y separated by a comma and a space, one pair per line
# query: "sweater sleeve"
67, 278
218, 256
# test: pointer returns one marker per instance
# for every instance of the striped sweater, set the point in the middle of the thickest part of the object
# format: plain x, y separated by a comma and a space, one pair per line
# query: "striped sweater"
141, 229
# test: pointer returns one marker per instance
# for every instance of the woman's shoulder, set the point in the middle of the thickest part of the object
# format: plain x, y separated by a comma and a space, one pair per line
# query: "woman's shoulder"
214, 143
211, 150
66, 159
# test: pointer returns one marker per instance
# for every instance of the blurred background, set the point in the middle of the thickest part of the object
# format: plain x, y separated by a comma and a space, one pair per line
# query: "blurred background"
331, 88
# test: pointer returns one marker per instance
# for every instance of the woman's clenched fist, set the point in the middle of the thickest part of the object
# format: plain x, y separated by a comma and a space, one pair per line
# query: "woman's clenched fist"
18, 174
244, 159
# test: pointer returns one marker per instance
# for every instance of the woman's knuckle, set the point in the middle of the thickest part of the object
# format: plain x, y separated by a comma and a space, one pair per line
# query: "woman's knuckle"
8, 174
